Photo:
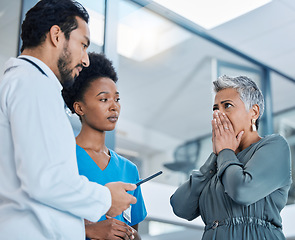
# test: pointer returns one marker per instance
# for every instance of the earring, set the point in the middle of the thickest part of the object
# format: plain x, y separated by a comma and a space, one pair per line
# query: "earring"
254, 129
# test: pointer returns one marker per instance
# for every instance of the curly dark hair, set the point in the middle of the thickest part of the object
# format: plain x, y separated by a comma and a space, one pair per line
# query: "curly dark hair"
47, 13
99, 67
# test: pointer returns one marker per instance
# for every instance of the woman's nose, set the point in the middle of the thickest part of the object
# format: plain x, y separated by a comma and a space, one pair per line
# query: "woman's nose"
115, 106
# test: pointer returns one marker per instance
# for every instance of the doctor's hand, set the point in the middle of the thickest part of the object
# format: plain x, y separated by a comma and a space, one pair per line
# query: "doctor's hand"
121, 200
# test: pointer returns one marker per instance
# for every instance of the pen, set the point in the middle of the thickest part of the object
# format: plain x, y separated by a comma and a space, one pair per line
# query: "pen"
148, 178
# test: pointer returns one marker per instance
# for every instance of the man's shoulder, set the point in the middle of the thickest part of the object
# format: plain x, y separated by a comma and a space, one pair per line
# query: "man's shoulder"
19, 74
17, 69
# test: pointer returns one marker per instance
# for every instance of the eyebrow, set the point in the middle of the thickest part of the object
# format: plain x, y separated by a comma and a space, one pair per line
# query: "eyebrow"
106, 93
226, 101
222, 102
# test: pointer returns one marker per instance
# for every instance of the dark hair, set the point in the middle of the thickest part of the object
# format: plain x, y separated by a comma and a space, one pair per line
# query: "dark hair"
47, 13
99, 67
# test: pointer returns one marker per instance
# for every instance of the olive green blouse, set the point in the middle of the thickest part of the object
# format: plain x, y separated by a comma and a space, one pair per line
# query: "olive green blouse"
239, 196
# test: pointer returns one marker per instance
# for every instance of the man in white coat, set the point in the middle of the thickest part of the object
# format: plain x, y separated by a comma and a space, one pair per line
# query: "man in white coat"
42, 196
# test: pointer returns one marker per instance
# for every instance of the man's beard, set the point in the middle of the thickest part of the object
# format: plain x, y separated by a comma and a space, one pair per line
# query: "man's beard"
65, 72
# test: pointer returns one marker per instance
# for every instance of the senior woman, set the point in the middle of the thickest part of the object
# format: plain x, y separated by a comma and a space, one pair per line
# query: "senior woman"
242, 187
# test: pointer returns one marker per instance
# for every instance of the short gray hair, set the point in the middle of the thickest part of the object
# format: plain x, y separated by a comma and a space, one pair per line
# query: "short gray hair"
249, 92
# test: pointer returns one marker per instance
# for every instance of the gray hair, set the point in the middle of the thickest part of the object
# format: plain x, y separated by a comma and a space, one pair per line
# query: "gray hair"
249, 92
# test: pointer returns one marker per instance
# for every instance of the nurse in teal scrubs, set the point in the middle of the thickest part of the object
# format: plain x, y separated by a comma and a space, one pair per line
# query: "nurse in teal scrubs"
95, 98
241, 189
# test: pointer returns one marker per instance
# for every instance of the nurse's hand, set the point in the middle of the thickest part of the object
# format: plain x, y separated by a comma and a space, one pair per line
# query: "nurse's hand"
110, 229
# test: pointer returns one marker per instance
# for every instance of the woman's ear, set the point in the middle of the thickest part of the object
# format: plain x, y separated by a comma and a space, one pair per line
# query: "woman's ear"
78, 108
255, 111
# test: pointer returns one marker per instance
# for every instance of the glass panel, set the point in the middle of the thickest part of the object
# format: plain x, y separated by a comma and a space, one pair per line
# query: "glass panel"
9, 28
284, 118
165, 84
232, 69
282, 93
95, 8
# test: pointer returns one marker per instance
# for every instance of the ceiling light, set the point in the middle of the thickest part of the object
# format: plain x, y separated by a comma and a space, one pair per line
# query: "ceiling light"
211, 13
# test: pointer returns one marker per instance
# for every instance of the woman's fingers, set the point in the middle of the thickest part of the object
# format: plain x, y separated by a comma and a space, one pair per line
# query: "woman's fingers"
218, 121
225, 122
124, 226
124, 234
213, 124
239, 137
218, 128
124, 231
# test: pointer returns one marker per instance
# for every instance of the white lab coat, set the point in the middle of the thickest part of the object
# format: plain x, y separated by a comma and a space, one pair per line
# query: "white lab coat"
42, 196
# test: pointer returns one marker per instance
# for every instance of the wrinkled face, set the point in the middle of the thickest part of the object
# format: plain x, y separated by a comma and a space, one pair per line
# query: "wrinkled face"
74, 56
100, 105
228, 101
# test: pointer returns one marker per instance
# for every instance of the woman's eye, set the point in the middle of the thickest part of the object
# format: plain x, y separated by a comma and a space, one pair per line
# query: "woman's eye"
227, 105
118, 99
103, 99
215, 108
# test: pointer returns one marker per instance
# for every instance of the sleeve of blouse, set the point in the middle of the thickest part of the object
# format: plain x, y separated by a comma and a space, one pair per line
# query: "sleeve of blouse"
268, 169
185, 200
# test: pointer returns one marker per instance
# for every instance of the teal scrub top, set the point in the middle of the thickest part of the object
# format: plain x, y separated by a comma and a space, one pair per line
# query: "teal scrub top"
118, 169
239, 196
